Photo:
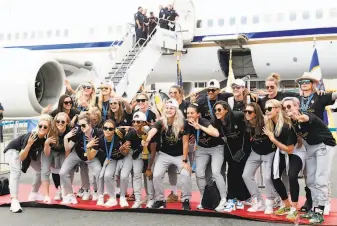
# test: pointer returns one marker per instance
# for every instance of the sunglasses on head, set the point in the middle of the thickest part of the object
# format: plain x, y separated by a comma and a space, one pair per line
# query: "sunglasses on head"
269, 108
140, 100
248, 111
270, 87
43, 126
137, 122
211, 90
67, 102
304, 81
286, 107
105, 128
86, 87
60, 122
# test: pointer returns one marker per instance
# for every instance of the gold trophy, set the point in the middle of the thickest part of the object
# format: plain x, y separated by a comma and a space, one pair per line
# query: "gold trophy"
145, 153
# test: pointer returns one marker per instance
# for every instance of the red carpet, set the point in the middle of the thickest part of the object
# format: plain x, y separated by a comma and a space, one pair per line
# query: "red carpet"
173, 208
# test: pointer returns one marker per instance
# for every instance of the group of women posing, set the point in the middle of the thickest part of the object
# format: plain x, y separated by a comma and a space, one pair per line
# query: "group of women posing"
227, 135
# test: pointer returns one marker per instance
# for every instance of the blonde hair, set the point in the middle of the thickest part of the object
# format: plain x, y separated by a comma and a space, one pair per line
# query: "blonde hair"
281, 118
46, 118
54, 132
100, 97
95, 111
79, 93
178, 122
274, 77
84, 115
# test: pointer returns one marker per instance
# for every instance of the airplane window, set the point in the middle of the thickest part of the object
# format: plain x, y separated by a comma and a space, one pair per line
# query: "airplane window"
9, 36
210, 23
333, 12
110, 29
25, 35
119, 29
305, 15
17, 36
32, 35
2, 36
92, 31
57, 33
221, 22
292, 16
232, 21
244, 20
280, 17
256, 19
267, 18
66, 32
40, 34
199, 23
319, 13
49, 33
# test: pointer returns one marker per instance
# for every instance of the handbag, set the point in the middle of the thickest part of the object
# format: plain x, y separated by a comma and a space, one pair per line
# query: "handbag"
211, 198
238, 156
4, 186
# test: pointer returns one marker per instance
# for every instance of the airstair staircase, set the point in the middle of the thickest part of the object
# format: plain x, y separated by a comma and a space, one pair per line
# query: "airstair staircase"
132, 69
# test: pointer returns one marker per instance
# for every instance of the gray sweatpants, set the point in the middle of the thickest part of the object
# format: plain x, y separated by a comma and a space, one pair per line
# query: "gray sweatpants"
214, 155
163, 162
255, 161
55, 159
85, 175
15, 172
318, 172
108, 176
70, 162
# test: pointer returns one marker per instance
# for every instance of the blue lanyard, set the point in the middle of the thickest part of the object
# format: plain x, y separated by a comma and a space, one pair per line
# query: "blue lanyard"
210, 106
197, 137
85, 142
147, 114
305, 106
105, 111
108, 154
80, 108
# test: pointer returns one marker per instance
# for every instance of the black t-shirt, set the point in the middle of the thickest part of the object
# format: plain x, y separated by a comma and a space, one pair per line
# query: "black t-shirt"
205, 108
280, 95
139, 16
205, 140
150, 116
314, 131
183, 107
103, 150
287, 136
78, 139
125, 121
71, 114
136, 141
171, 15
238, 106
260, 143
169, 143
60, 147
316, 103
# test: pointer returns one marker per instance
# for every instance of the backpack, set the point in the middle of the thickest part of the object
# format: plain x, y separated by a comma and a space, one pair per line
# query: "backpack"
211, 197
4, 186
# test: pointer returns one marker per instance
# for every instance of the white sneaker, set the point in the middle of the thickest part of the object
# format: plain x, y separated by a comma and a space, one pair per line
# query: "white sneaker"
269, 207
257, 206
58, 195
327, 209
239, 205
149, 203
34, 196
15, 206
69, 199
80, 192
137, 204
111, 202
86, 195
123, 202
219, 208
47, 200
100, 200
199, 207
94, 196
230, 206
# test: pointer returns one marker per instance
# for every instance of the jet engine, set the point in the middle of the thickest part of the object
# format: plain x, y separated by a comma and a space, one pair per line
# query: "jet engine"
30, 80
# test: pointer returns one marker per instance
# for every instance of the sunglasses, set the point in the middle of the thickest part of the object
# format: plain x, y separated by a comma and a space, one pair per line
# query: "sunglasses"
108, 128
248, 111
236, 87
269, 108
105, 88
140, 100
270, 87
60, 122
304, 82
173, 92
137, 122
43, 126
113, 103
67, 102
86, 87
211, 90
83, 125
286, 107
218, 109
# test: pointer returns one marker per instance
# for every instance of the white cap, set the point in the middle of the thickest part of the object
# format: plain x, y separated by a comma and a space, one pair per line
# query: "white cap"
172, 103
139, 116
213, 84
239, 82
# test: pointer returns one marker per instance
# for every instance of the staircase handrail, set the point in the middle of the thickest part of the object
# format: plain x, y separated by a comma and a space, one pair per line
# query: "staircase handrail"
114, 44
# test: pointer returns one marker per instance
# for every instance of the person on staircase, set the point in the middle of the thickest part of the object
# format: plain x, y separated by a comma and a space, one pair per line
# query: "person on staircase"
139, 25
146, 25
153, 21
172, 16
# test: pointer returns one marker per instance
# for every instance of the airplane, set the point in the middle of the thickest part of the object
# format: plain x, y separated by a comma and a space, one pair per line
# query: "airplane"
44, 42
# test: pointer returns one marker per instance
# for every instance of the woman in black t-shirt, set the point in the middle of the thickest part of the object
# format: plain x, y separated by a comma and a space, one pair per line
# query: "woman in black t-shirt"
208, 148
319, 143
76, 144
279, 130
231, 126
23, 152
174, 131
54, 154
263, 151
122, 117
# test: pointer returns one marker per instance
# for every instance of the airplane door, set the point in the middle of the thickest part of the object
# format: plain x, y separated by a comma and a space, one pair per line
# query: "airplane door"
185, 9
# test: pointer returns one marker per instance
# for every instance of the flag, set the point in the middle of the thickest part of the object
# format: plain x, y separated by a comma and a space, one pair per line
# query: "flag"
231, 76
179, 77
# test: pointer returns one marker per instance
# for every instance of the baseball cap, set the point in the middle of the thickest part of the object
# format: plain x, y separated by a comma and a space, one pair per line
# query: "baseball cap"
239, 82
139, 116
172, 103
213, 84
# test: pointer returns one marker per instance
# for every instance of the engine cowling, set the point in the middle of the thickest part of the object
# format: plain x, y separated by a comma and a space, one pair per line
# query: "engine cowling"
30, 80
